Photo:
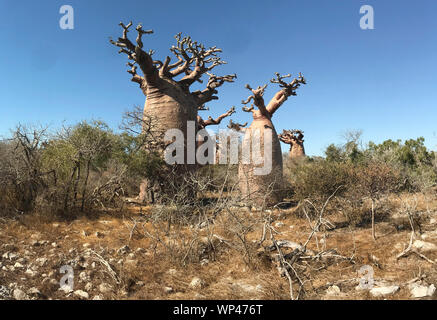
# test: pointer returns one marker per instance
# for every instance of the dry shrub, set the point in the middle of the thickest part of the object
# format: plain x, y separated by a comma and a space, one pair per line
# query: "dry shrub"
189, 229
223, 177
77, 169
368, 186
359, 185
107, 186
375, 179
21, 173
183, 227
317, 180
358, 213
410, 214
8, 200
235, 225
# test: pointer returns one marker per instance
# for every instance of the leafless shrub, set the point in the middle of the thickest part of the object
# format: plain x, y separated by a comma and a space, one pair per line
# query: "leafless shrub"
372, 181
144, 128
415, 217
409, 208
107, 187
21, 173
237, 224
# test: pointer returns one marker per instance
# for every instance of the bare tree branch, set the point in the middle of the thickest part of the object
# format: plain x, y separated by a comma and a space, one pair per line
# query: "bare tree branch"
236, 126
288, 89
214, 82
135, 52
137, 78
140, 34
258, 100
204, 123
193, 61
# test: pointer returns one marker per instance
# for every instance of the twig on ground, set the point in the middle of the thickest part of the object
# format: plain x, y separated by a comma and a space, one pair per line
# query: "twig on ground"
410, 248
111, 272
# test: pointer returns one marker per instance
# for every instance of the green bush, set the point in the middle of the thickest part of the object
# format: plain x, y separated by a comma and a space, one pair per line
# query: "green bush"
415, 162
318, 179
354, 185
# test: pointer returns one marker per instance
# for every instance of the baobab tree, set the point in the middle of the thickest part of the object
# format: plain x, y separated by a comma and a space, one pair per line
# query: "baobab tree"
202, 124
228, 146
167, 85
261, 187
295, 139
169, 101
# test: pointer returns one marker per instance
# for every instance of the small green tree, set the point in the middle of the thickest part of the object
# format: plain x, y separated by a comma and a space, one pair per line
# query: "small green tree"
333, 153
74, 152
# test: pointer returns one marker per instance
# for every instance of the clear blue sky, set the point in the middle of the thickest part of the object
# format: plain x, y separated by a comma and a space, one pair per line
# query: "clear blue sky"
382, 81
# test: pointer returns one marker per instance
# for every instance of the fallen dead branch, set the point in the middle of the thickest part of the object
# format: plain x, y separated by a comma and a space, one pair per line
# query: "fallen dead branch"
111, 272
410, 248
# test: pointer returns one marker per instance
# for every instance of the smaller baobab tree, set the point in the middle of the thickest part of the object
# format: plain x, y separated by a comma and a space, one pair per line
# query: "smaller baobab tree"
203, 136
229, 144
261, 168
295, 139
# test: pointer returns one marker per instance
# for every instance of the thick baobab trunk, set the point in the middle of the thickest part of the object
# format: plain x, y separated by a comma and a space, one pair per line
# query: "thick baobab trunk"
297, 151
262, 188
167, 107
260, 170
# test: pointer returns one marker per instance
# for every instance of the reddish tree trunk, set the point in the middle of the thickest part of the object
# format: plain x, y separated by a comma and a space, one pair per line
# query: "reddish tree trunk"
297, 151
265, 189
